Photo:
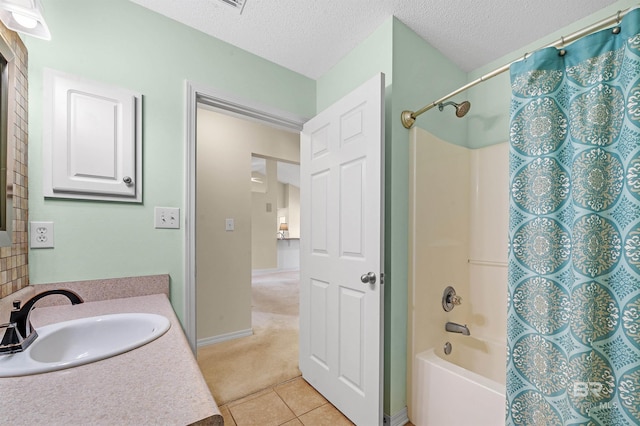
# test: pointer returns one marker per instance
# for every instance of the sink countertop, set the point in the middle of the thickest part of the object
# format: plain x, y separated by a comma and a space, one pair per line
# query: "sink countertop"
158, 383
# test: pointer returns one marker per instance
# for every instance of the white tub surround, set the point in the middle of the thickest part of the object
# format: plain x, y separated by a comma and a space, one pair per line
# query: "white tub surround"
158, 383
457, 237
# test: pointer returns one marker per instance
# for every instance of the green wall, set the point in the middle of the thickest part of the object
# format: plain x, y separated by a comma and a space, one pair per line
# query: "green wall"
372, 56
422, 75
118, 42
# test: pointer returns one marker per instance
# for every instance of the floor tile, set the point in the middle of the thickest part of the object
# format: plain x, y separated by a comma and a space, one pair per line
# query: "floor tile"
294, 422
327, 415
226, 415
249, 397
265, 410
299, 396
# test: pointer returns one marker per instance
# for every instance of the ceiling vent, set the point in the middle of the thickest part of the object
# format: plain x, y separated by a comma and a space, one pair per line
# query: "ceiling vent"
236, 4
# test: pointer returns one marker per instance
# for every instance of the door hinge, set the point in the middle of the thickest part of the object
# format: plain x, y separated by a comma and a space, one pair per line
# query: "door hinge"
381, 277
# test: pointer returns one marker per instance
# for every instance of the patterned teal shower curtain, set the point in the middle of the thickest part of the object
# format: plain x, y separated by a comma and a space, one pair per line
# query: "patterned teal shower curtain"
573, 327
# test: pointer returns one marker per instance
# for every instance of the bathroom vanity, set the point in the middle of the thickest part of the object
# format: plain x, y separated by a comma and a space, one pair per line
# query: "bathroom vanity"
158, 383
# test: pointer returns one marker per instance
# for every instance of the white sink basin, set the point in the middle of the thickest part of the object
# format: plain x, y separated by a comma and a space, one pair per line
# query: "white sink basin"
76, 342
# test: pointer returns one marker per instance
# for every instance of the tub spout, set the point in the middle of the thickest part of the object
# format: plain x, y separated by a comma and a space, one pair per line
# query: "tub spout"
457, 328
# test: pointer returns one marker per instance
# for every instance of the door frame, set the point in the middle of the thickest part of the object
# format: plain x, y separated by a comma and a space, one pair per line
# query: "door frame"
236, 106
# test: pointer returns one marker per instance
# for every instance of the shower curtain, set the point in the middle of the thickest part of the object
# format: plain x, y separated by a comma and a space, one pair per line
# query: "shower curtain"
573, 327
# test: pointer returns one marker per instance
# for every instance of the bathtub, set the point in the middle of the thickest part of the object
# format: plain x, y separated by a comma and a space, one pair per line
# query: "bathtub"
445, 394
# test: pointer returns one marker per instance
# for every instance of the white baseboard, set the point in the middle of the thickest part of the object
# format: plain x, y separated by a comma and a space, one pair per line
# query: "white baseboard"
264, 271
398, 419
224, 337
255, 272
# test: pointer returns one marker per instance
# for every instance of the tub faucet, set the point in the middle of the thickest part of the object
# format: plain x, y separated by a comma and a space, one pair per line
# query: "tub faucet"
457, 328
19, 333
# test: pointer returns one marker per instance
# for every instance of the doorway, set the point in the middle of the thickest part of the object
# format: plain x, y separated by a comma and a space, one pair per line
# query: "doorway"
275, 216
197, 95
236, 226
247, 305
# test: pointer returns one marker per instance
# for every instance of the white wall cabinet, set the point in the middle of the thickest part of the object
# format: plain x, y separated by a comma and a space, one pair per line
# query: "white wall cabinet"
92, 140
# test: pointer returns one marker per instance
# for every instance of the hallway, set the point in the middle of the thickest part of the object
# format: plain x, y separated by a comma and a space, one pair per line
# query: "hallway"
236, 368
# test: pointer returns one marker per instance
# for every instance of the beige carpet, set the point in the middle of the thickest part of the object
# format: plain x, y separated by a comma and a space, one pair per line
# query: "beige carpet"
243, 366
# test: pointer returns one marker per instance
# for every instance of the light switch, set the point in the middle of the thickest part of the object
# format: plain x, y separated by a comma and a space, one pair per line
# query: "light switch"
229, 225
167, 217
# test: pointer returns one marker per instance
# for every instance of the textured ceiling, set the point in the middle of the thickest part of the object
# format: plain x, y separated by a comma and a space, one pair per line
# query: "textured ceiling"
310, 36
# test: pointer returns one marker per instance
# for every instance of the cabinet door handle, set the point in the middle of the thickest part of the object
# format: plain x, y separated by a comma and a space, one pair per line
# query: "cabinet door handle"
127, 180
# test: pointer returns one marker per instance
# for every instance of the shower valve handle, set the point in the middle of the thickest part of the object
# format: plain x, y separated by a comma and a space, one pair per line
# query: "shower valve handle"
455, 299
450, 299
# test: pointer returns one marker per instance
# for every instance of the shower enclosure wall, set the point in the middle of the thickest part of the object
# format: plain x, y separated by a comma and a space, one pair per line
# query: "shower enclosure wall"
457, 237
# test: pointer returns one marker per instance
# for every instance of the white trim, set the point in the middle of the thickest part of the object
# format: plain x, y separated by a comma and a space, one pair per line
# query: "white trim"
260, 272
398, 419
230, 104
189, 310
266, 271
247, 109
224, 337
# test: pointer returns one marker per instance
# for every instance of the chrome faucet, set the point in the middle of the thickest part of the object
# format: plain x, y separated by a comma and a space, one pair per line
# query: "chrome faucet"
457, 328
19, 333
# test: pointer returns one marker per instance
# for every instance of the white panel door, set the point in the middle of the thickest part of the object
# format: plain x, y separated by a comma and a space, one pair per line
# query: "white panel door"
341, 196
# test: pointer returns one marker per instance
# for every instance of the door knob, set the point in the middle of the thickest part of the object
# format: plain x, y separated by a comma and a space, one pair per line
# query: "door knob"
127, 180
368, 278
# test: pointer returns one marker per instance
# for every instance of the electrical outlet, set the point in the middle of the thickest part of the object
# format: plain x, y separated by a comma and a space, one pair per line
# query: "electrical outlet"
167, 217
41, 235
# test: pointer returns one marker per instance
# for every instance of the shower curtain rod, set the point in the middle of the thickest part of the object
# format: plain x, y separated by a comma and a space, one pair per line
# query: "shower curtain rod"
409, 117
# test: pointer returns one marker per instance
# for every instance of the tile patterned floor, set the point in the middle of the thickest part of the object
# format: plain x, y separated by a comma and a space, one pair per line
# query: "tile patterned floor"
290, 403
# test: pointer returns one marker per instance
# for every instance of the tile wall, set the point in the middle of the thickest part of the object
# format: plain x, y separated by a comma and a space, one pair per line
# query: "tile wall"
14, 271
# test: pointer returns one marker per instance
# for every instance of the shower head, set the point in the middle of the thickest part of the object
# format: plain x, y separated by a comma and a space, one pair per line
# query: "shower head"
461, 109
